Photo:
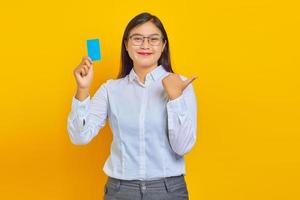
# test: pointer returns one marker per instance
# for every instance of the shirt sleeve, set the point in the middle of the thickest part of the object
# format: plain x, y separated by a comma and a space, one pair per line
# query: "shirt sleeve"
87, 117
182, 121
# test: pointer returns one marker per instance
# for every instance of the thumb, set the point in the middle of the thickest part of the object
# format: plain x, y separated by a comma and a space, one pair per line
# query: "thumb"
189, 80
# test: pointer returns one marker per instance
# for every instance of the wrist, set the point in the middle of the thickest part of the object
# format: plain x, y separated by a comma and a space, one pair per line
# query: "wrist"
175, 95
82, 93
83, 89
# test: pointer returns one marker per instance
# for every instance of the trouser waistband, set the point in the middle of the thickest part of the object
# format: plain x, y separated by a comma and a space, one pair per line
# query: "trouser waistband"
168, 182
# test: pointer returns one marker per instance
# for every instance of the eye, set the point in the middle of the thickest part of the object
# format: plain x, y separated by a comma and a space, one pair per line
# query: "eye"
155, 39
137, 38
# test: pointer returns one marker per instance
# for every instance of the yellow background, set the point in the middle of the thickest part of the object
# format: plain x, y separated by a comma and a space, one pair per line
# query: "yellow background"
246, 54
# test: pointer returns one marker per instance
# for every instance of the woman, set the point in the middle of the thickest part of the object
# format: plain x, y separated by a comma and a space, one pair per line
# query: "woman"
151, 111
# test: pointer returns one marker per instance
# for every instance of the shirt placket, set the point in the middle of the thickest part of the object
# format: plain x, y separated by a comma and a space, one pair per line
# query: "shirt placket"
142, 130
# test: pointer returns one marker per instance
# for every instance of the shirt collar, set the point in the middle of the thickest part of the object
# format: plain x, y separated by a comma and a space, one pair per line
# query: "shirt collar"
154, 74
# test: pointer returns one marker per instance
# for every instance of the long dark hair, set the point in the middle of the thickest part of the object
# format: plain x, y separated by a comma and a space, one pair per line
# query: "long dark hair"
126, 62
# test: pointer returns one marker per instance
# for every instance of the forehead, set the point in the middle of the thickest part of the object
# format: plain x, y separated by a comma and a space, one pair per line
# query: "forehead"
147, 28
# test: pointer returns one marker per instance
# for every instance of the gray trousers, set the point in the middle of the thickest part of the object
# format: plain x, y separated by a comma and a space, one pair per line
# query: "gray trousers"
168, 188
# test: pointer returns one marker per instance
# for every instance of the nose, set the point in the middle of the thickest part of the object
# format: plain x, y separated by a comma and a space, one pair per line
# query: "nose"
145, 43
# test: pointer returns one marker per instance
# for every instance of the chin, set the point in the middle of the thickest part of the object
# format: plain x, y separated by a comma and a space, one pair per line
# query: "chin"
146, 64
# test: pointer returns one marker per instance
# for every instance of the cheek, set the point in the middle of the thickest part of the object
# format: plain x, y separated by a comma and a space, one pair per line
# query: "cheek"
131, 53
159, 50
158, 53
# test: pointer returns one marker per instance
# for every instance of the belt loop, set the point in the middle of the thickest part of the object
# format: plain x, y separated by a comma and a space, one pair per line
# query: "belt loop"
166, 184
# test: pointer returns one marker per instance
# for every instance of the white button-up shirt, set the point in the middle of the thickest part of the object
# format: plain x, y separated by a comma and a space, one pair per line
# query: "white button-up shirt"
151, 133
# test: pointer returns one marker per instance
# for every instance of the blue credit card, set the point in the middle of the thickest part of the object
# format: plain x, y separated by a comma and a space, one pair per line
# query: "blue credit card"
93, 48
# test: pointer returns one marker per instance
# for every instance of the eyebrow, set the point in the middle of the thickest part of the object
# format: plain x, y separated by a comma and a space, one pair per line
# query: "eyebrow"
143, 35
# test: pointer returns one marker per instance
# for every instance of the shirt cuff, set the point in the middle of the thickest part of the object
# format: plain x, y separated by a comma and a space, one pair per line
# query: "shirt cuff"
81, 107
177, 105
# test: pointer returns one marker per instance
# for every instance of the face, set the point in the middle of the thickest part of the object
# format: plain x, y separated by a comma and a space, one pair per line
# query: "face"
145, 52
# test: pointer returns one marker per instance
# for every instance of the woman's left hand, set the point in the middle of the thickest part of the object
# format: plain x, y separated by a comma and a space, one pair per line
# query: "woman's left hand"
174, 85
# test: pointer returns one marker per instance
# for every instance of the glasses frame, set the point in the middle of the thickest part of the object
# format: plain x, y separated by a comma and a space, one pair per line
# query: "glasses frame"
148, 38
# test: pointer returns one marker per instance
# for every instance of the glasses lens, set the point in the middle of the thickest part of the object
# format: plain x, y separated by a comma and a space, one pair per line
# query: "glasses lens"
155, 40
137, 40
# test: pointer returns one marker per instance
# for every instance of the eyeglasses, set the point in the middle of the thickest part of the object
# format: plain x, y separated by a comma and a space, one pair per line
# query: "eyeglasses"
153, 40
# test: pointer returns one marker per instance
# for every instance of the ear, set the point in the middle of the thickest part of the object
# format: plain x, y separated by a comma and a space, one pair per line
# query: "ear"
164, 46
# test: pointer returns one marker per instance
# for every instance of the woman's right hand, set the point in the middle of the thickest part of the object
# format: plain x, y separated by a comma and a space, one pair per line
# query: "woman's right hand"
84, 73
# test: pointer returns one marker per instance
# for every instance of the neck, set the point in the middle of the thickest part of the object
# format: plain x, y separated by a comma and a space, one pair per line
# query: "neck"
143, 71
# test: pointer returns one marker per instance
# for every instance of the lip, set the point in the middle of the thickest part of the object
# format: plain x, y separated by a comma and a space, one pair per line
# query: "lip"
144, 53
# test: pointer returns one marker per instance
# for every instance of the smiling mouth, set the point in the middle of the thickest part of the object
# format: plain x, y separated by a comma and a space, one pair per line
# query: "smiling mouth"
144, 54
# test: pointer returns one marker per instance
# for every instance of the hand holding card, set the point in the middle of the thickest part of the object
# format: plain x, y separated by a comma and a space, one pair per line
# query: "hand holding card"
93, 48
84, 73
